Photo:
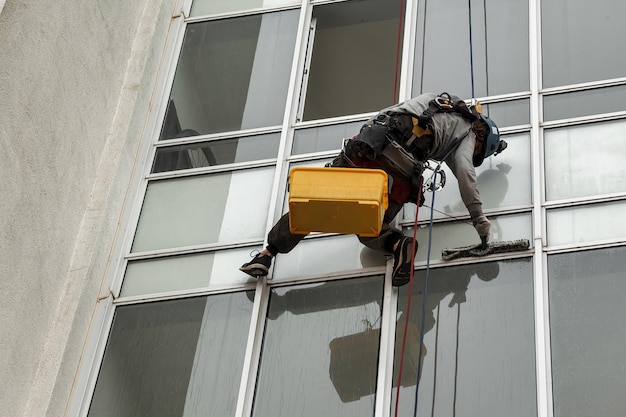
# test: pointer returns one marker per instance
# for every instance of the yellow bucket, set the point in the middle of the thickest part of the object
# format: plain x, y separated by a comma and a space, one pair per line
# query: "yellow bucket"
337, 200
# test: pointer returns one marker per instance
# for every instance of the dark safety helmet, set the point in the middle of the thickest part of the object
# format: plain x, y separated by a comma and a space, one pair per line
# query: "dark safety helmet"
492, 144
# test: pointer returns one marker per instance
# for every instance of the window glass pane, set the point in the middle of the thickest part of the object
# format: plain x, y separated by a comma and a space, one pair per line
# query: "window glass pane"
588, 332
232, 74
499, 44
586, 224
325, 138
204, 209
458, 234
479, 352
205, 7
219, 152
177, 273
509, 113
571, 55
174, 358
320, 350
585, 160
319, 256
503, 181
584, 103
353, 58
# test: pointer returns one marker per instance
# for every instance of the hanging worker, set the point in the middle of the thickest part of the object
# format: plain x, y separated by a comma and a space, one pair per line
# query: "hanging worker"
400, 140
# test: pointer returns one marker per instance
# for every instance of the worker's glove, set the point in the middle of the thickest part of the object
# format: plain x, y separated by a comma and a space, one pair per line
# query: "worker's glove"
482, 226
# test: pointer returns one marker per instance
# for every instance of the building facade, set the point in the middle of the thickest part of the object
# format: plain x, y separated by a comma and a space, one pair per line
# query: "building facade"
148, 314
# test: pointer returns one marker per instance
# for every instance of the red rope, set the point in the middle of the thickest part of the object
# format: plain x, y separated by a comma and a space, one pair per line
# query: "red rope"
399, 44
408, 304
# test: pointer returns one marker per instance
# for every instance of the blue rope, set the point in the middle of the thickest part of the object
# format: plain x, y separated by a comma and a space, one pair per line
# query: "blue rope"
425, 291
469, 3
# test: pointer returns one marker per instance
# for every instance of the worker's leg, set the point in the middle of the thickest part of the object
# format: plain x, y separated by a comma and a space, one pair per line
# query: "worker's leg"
391, 240
279, 240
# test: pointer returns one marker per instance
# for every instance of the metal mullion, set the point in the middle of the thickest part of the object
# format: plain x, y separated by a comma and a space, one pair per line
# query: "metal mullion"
240, 13
575, 121
540, 281
333, 121
212, 137
592, 85
181, 294
254, 342
211, 169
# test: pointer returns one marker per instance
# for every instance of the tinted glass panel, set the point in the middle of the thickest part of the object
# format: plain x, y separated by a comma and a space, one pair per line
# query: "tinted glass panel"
204, 7
174, 358
571, 55
588, 332
325, 138
204, 209
320, 350
584, 103
590, 223
478, 354
499, 44
185, 272
585, 160
353, 59
219, 152
232, 74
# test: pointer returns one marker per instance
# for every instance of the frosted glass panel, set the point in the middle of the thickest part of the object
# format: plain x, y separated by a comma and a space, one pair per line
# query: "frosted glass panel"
457, 234
326, 255
503, 181
205, 209
320, 351
586, 224
588, 332
479, 346
205, 7
174, 358
585, 160
185, 272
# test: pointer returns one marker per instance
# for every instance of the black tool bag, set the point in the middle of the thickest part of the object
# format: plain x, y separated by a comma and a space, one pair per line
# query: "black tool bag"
368, 144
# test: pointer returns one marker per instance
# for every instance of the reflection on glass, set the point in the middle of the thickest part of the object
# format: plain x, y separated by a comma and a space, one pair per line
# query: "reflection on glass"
353, 58
588, 332
219, 152
571, 55
589, 223
320, 350
185, 272
585, 160
584, 103
503, 181
232, 74
174, 358
204, 209
478, 352
206, 7
499, 45
325, 138
339, 253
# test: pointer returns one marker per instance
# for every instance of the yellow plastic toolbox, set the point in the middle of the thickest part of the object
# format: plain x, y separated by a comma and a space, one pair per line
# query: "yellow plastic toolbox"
337, 200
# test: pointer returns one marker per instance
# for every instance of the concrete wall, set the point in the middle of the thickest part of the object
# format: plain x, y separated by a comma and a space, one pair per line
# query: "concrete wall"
76, 84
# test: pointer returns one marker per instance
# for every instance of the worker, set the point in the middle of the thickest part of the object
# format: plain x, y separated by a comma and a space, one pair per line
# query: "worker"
400, 140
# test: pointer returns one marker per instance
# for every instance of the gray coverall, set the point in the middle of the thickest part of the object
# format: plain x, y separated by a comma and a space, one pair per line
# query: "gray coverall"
448, 128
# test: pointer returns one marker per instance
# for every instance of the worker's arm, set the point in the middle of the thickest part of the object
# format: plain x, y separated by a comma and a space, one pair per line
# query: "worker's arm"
460, 162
